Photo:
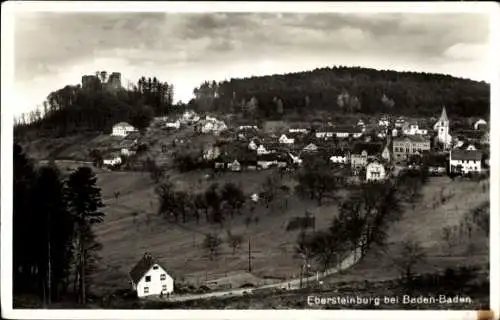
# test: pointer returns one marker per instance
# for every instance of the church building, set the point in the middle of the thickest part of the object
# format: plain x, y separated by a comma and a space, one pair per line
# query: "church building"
442, 127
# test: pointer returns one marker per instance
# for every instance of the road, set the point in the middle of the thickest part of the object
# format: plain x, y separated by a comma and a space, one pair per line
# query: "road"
293, 284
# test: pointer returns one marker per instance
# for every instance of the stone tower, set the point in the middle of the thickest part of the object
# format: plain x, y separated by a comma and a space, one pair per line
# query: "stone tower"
115, 81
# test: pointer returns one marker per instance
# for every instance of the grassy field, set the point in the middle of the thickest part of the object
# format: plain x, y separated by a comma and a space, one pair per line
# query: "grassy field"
425, 225
178, 246
126, 238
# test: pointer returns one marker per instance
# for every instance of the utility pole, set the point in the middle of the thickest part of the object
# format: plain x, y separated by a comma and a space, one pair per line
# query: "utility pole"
249, 256
301, 273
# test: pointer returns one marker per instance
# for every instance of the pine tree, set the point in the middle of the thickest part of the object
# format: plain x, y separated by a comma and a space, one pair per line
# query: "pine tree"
24, 253
84, 199
56, 223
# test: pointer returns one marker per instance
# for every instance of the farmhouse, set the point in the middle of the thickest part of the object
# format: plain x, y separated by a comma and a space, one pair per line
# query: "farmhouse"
173, 125
375, 171
262, 150
248, 127
404, 147
189, 116
298, 129
122, 129
399, 123
285, 140
340, 157
148, 278
361, 152
265, 161
383, 122
346, 131
311, 148
411, 129
234, 166
112, 160
323, 133
465, 161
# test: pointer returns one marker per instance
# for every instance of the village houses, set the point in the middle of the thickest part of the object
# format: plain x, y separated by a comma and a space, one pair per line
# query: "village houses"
173, 125
311, 148
465, 161
252, 146
285, 140
148, 278
383, 122
375, 171
122, 129
362, 152
262, 150
411, 129
112, 160
340, 157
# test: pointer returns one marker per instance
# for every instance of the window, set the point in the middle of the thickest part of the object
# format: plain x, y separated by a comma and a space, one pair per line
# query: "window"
163, 277
164, 287
146, 289
155, 268
148, 278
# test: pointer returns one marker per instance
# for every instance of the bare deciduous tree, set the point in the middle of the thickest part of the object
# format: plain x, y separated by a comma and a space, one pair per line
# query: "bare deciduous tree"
212, 244
409, 256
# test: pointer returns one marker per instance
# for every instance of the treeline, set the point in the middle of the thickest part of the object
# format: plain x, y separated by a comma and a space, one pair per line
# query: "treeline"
95, 108
346, 90
54, 246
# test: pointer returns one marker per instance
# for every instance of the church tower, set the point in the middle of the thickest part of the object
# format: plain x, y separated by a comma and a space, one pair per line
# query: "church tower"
442, 127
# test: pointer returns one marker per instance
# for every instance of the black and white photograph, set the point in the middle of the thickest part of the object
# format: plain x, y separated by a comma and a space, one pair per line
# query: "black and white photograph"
197, 157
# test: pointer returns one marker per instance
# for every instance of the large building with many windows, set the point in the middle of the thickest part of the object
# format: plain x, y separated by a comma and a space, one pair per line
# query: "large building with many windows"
404, 147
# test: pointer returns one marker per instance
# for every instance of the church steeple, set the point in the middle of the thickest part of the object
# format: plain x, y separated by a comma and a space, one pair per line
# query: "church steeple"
444, 116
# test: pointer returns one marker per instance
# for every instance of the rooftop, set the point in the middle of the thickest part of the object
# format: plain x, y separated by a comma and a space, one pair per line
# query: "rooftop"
473, 155
143, 266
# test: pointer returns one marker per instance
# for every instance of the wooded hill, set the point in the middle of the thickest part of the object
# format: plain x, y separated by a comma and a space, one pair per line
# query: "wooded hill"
347, 90
76, 109
339, 90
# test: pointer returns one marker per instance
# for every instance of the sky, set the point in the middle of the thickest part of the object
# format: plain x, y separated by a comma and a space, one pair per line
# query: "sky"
53, 49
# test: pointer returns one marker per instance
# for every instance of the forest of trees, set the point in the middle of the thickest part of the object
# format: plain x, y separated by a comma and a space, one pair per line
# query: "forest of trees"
346, 90
75, 109
54, 246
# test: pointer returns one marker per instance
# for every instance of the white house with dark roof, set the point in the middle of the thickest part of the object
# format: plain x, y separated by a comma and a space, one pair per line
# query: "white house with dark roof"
113, 159
173, 125
122, 129
286, 140
412, 128
262, 150
465, 161
311, 147
340, 157
148, 278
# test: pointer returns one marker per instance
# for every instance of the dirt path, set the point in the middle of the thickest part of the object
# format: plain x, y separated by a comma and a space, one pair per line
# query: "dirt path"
293, 284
